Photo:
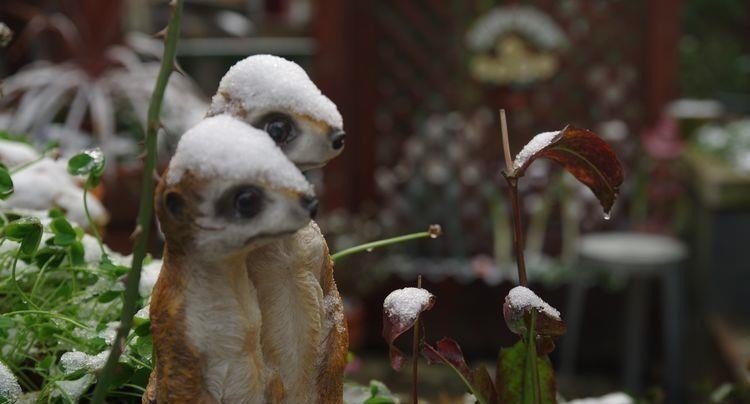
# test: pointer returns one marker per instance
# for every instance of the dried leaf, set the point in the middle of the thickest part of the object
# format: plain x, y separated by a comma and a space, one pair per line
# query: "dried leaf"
401, 309
478, 381
582, 153
517, 307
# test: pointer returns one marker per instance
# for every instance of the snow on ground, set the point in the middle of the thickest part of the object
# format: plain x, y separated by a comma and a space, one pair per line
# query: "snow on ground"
612, 398
76, 360
10, 390
46, 184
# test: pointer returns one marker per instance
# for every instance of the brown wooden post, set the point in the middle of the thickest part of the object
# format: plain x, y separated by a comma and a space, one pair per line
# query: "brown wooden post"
664, 28
343, 69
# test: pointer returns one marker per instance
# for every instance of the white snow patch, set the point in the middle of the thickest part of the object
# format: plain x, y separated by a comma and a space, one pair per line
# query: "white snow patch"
109, 332
536, 144
149, 275
612, 398
523, 298
14, 154
222, 146
266, 82
75, 360
10, 390
46, 184
143, 313
405, 304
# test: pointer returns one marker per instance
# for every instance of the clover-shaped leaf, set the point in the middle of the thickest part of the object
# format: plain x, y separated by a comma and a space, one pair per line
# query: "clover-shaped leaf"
6, 183
401, 310
90, 163
582, 153
64, 233
27, 231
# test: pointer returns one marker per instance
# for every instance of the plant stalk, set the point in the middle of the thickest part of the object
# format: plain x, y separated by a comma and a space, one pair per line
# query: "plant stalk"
145, 211
415, 354
433, 232
515, 204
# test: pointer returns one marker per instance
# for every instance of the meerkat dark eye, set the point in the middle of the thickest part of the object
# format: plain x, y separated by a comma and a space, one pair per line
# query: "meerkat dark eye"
280, 128
248, 202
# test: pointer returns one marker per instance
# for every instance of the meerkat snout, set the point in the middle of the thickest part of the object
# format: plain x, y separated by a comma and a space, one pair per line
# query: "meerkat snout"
337, 139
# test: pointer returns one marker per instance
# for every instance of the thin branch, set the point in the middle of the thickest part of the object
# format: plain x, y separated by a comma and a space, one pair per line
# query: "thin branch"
515, 204
415, 354
506, 142
517, 230
145, 212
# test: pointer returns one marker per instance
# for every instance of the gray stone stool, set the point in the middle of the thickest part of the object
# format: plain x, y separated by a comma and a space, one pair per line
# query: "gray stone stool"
637, 258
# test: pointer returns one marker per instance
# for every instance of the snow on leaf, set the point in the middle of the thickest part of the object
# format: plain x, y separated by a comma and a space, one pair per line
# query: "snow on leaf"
518, 305
400, 310
582, 153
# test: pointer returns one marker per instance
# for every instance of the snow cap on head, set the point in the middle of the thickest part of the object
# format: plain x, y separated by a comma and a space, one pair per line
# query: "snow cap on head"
227, 148
268, 82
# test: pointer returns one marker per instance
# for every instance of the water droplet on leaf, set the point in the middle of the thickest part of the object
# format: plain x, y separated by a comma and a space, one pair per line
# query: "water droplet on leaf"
369, 249
607, 216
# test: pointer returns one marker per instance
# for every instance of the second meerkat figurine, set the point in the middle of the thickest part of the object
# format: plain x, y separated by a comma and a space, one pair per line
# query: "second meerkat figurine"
228, 193
304, 333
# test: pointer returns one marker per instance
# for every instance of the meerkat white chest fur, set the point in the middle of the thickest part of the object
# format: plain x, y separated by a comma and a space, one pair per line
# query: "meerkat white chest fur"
223, 318
286, 274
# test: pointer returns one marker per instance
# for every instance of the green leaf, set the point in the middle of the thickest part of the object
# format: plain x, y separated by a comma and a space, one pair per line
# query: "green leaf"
63, 231
27, 231
89, 162
76, 253
6, 184
534, 383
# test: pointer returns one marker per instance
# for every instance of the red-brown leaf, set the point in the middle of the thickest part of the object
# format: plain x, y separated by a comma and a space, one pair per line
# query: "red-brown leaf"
585, 155
447, 352
400, 311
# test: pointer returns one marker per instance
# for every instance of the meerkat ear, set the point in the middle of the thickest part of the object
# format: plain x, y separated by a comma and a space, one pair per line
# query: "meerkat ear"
175, 204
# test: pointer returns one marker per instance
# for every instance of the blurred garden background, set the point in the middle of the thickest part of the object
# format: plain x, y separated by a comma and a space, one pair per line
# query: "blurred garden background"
655, 295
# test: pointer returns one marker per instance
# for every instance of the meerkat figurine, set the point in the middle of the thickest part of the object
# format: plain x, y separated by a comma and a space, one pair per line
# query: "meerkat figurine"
304, 333
227, 194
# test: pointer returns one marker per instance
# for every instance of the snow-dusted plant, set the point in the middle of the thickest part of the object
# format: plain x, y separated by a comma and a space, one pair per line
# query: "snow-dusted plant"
61, 293
524, 373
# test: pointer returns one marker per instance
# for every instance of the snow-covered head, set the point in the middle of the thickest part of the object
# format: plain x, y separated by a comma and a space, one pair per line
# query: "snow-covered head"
276, 95
228, 187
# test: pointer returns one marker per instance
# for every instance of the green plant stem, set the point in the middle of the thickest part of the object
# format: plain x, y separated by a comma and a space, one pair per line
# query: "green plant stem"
145, 211
532, 368
26, 299
94, 229
50, 314
383, 243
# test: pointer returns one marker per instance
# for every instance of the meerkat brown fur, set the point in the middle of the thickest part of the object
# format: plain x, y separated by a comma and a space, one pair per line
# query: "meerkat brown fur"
228, 193
304, 334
